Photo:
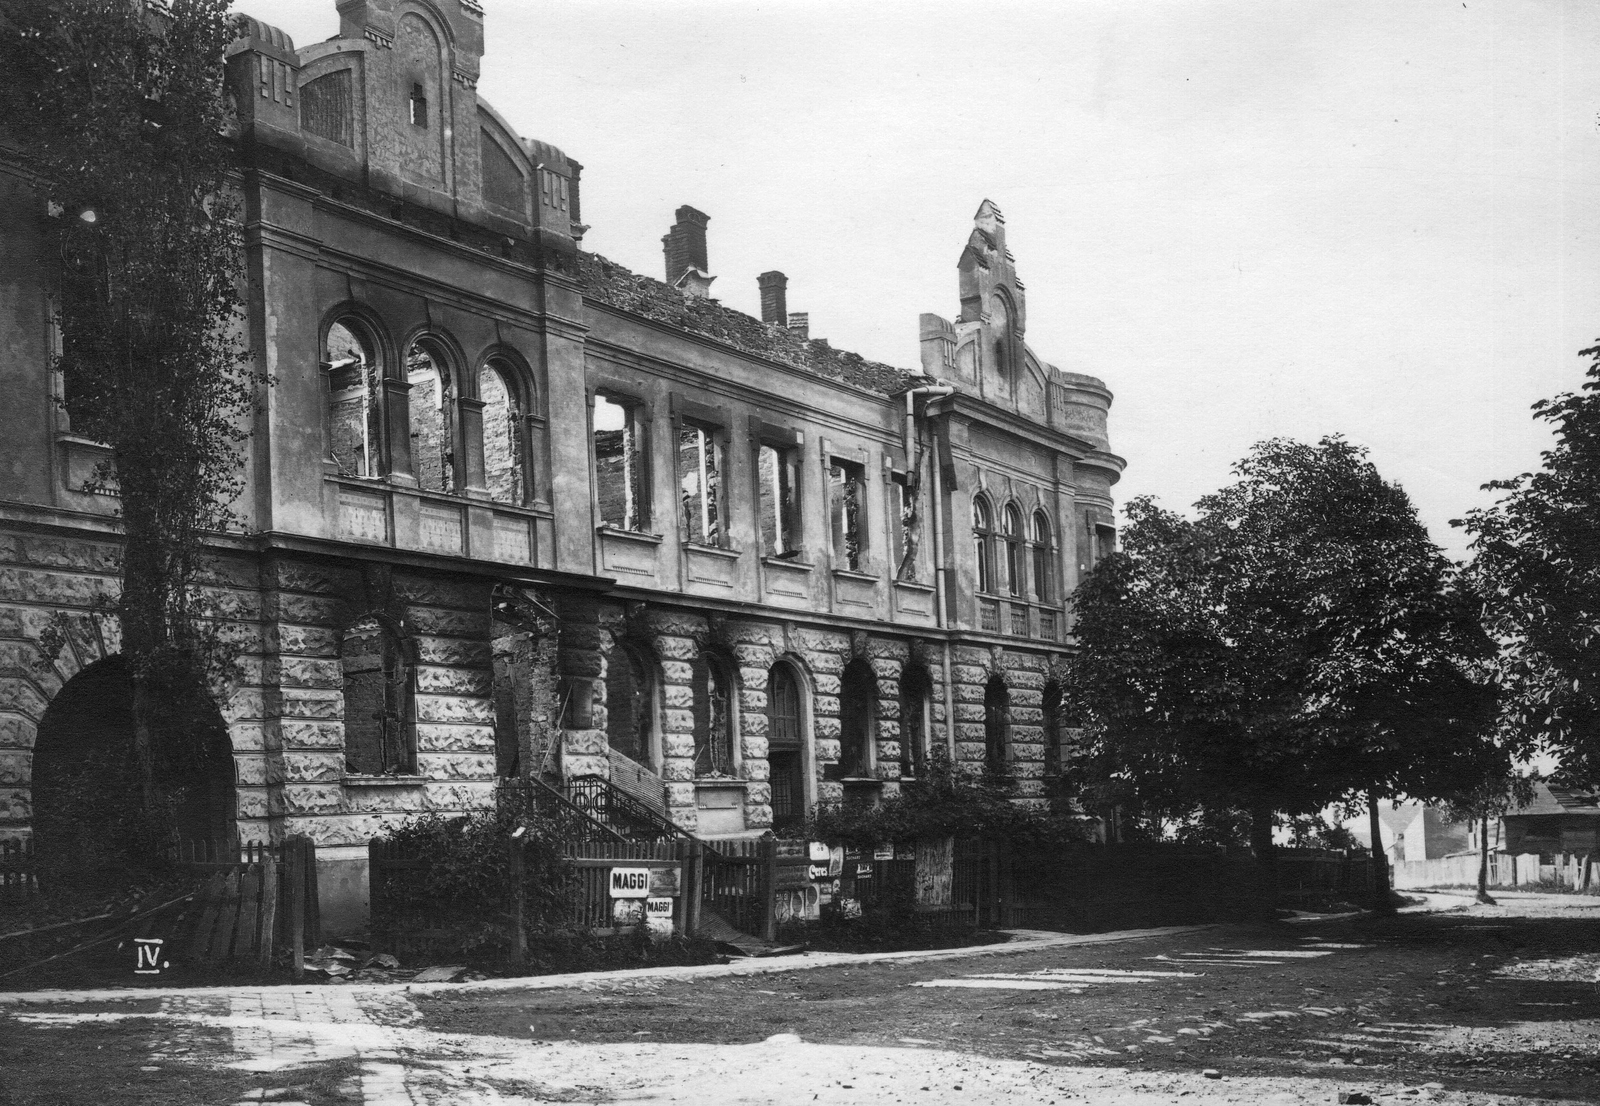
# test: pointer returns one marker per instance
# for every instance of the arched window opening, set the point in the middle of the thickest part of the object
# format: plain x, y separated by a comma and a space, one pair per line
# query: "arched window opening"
784, 762
504, 446
983, 543
712, 692
857, 699
1016, 568
630, 707
349, 356
915, 693
378, 730
1051, 705
996, 725
432, 400
1000, 325
1044, 576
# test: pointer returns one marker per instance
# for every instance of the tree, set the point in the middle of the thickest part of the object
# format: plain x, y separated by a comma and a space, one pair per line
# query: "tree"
1536, 566
1490, 799
1295, 645
120, 112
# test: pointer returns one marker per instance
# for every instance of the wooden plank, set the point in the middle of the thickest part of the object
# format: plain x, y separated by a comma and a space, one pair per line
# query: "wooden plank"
268, 914
227, 916
210, 903
244, 934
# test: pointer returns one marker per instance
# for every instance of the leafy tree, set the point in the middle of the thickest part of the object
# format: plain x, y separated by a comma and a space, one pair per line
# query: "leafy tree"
1536, 565
1298, 643
120, 111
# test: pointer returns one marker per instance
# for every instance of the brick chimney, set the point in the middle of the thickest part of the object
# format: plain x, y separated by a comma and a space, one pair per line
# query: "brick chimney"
774, 298
800, 323
685, 244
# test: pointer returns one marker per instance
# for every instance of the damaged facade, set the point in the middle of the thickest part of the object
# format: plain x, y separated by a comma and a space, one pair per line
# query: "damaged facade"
516, 511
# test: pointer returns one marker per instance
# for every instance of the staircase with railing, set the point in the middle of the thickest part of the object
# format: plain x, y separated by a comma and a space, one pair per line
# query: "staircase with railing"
613, 807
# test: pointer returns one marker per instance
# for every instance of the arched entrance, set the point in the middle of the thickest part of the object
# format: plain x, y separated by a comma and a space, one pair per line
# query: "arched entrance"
85, 780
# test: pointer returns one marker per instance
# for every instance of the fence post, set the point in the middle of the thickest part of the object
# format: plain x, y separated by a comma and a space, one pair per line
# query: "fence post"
294, 863
313, 900
769, 890
519, 935
697, 875
684, 885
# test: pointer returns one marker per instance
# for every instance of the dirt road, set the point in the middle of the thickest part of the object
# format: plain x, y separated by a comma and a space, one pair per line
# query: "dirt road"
1475, 1006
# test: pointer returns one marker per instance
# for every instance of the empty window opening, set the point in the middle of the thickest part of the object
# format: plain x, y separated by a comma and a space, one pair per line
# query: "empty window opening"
419, 106
1016, 566
915, 694
858, 698
432, 406
1044, 576
785, 766
847, 513
779, 503
1053, 735
630, 710
996, 725
619, 463
908, 487
700, 483
377, 701
349, 357
712, 695
983, 543
504, 447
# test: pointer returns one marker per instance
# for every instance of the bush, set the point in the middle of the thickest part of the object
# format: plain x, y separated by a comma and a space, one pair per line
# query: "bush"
947, 802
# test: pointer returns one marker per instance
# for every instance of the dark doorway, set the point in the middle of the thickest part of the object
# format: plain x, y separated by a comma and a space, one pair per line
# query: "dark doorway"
783, 747
857, 698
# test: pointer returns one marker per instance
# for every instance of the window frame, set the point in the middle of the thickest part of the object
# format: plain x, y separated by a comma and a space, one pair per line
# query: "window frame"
841, 533
1012, 541
637, 511
996, 726
1041, 547
983, 535
788, 529
713, 482
452, 390
718, 673
866, 758
918, 698
365, 331
399, 649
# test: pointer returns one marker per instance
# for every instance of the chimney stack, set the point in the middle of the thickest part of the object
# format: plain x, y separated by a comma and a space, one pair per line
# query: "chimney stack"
685, 244
774, 298
800, 323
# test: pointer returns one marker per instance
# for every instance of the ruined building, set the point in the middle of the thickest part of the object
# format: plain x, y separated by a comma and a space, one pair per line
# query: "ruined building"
514, 510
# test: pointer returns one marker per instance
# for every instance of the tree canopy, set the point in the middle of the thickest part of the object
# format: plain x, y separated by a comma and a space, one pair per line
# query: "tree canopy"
1298, 643
120, 110
1536, 565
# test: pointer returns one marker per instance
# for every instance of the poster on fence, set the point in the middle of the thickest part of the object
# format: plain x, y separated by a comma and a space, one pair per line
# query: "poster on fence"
935, 864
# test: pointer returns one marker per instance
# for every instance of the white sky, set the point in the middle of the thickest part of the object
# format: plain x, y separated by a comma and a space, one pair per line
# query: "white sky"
1250, 219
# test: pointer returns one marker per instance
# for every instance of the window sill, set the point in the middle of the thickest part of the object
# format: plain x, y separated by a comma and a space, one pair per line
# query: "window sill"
609, 531
794, 564
713, 550
914, 585
861, 781
355, 780
856, 574
711, 782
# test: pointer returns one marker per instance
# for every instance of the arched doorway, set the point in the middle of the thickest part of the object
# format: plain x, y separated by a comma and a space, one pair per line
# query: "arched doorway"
85, 784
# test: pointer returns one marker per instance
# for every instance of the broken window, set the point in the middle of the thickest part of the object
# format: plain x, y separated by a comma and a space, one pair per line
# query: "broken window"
983, 543
915, 692
377, 701
1105, 541
350, 360
700, 483
619, 463
847, 513
779, 501
432, 406
785, 766
504, 447
1016, 566
1044, 577
712, 694
910, 524
419, 106
630, 710
858, 696
996, 724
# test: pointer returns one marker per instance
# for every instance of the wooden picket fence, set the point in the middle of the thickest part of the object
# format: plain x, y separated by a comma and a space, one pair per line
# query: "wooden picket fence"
255, 900
1571, 871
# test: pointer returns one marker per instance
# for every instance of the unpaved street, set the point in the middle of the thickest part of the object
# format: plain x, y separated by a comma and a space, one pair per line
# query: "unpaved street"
1467, 1006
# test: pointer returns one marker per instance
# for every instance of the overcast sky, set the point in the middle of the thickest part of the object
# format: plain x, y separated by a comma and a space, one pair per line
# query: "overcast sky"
1249, 219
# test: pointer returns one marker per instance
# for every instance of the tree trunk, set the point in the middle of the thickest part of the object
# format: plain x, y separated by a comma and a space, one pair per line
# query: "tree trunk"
1483, 862
1266, 861
1382, 901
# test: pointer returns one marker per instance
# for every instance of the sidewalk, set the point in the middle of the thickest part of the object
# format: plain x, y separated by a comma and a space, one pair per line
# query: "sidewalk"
1023, 940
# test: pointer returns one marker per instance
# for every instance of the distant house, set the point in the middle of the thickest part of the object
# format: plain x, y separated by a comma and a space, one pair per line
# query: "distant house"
1428, 834
1558, 820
